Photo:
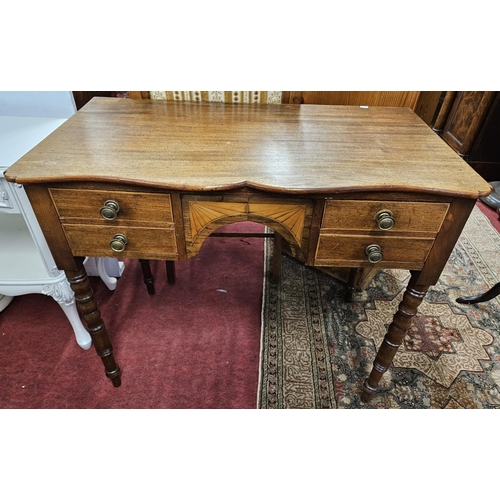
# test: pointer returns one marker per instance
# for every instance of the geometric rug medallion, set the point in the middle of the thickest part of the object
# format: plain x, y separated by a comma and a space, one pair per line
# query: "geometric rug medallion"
440, 343
317, 350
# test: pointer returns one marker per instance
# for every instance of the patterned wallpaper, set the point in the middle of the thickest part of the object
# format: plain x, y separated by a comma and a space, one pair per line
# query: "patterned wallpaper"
233, 96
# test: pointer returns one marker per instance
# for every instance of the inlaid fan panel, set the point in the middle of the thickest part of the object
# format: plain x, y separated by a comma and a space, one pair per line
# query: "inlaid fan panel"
204, 214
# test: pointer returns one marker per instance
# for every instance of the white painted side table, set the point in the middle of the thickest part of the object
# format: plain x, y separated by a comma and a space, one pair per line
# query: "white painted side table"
26, 264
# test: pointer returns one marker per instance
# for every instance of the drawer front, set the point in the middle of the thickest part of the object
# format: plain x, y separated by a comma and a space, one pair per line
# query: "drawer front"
143, 242
335, 250
360, 215
84, 206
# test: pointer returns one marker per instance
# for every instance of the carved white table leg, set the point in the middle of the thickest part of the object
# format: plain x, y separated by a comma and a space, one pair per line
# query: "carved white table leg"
108, 280
97, 266
58, 288
82, 336
61, 292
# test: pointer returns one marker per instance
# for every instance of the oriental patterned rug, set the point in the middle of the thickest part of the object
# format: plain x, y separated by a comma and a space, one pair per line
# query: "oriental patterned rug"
317, 350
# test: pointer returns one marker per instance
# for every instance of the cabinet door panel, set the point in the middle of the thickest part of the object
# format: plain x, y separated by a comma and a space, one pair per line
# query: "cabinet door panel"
465, 119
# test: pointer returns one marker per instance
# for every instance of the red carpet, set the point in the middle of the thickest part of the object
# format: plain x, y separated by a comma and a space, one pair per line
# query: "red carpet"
191, 345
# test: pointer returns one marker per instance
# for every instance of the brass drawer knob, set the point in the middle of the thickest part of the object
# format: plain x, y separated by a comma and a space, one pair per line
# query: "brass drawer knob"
110, 210
118, 243
385, 220
374, 253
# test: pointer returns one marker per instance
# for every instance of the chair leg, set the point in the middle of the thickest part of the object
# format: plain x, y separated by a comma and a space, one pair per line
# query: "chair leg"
147, 276
276, 262
170, 272
475, 299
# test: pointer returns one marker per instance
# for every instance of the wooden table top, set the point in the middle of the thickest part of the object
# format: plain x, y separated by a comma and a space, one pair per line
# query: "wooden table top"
308, 149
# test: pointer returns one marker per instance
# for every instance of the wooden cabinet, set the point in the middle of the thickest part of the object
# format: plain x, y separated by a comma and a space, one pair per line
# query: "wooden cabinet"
484, 156
423, 103
469, 122
465, 119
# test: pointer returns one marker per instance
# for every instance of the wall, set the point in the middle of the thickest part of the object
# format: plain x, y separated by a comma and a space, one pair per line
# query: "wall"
47, 104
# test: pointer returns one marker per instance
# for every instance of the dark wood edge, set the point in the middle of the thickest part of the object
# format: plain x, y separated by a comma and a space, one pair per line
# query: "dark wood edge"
179, 225
48, 218
316, 219
238, 186
443, 111
453, 224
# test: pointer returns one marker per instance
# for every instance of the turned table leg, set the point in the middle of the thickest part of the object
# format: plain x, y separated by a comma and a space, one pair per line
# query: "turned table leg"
170, 265
352, 282
396, 332
276, 260
84, 297
147, 276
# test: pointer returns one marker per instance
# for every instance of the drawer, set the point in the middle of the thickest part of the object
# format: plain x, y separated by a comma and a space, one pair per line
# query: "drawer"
143, 242
340, 250
83, 206
360, 215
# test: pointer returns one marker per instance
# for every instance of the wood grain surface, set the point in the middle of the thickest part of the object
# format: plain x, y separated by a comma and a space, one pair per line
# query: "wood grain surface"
214, 146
